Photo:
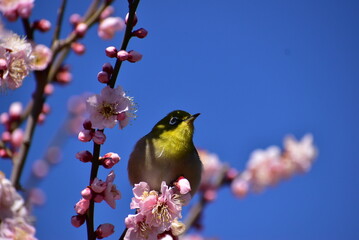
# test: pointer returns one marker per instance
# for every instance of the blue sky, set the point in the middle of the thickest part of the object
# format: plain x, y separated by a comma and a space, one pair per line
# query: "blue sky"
257, 71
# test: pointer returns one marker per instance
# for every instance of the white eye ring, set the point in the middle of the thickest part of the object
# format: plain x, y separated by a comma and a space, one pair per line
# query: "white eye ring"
173, 120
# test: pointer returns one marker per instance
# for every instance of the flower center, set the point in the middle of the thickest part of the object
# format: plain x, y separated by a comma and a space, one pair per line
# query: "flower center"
108, 109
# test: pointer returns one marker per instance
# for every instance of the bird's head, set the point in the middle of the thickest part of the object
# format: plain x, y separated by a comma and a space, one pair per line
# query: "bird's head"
177, 124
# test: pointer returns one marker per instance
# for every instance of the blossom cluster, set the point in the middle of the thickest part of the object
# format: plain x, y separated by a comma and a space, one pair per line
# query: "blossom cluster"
16, 8
98, 191
157, 212
14, 217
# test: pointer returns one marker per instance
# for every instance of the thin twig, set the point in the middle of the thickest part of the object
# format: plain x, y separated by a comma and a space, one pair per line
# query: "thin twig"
29, 31
60, 17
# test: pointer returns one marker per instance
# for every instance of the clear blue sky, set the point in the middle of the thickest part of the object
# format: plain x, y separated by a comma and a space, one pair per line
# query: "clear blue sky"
256, 70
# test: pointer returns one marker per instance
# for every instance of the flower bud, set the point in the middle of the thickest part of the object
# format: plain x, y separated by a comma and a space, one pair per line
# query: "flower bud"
78, 220
42, 25
103, 77
111, 52
82, 206
108, 11
78, 48
49, 89
15, 110
84, 156
81, 29
87, 125
140, 33
86, 193
134, 56
122, 55
17, 137
135, 19
85, 135
107, 67
75, 19
104, 230
3, 64
183, 185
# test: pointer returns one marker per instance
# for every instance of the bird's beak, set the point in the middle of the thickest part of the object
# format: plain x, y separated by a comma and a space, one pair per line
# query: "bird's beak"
193, 117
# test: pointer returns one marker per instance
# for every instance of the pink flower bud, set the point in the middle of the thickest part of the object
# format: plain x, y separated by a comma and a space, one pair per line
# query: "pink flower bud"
183, 185
82, 206
63, 77
4, 118
87, 125
49, 89
104, 230
134, 56
86, 193
6, 136
122, 55
42, 25
99, 137
15, 110
17, 137
239, 187
210, 195
140, 33
135, 19
3, 64
46, 108
84, 156
78, 220
110, 159
81, 29
75, 19
40, 168
231, 174
11, 15
107, 67
85, 135
98, 186
41, 118
78, 48
111, 52
3, 153
121, 116
103, 77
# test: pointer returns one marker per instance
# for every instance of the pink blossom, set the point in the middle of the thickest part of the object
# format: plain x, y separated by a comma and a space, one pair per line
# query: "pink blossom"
42, 56
98, 186
49, 89
183, 185
109, 26
111, 192
82, 206
240, 187
104, 230
99, 137
63, 76
98, 198
16, 228
107, 67
24, 8
138, 229
13, 9
105, 107
302, 152
16, 52
75, 19
107, 12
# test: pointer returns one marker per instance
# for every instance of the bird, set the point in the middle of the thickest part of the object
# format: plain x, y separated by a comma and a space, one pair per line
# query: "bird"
166, 153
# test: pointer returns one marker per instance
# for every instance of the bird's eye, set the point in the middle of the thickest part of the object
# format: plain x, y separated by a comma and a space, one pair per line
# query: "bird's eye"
174, 120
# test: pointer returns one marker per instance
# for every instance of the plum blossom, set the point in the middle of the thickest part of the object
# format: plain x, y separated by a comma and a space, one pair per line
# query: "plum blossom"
42, 56
157, 212
16, 58
268, 167
109, 26
112, 106
14, 217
